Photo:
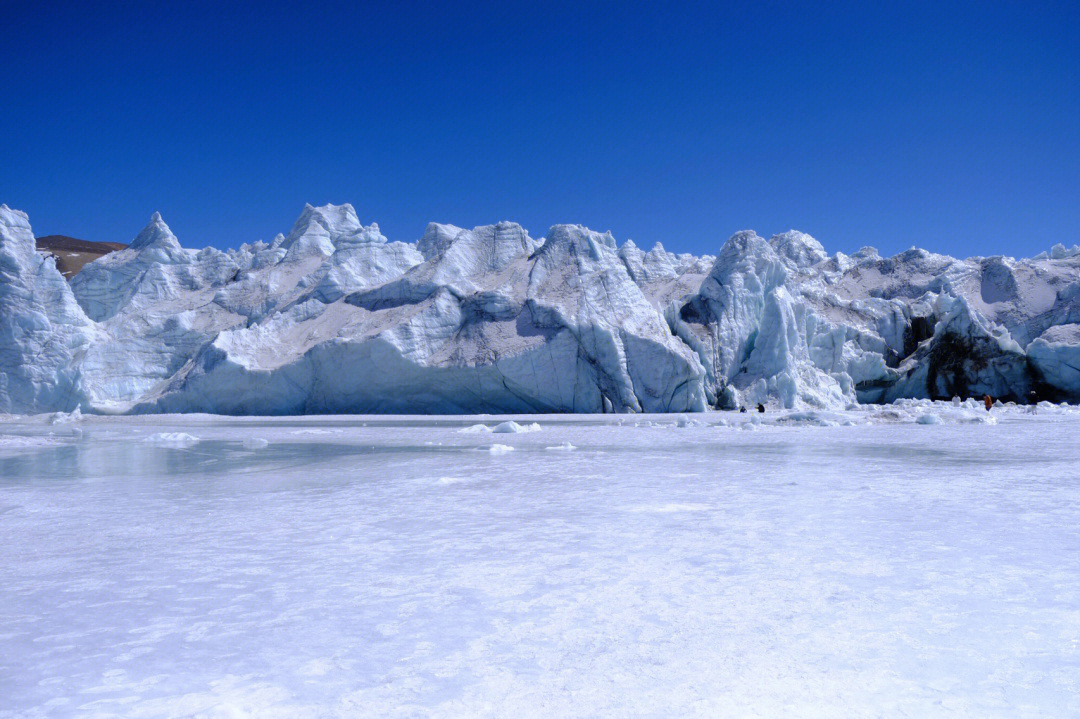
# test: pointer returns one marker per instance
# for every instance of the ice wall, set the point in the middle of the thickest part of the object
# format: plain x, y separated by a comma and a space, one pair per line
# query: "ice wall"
43, 333
333, 317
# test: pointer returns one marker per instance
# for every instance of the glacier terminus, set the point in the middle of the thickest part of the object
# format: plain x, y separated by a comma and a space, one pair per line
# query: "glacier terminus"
334, 318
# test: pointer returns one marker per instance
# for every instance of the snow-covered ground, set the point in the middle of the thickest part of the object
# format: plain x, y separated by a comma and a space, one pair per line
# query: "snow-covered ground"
907, 560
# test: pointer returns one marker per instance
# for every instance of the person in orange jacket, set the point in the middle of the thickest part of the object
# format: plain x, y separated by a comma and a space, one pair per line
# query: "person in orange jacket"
988, 402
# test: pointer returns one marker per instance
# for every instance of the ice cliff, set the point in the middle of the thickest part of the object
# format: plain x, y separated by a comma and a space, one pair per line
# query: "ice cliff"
44, 334
333, 317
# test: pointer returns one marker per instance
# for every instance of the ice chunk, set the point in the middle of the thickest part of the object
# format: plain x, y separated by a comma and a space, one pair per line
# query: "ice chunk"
64, 417
512, 427
475, 429
815, 418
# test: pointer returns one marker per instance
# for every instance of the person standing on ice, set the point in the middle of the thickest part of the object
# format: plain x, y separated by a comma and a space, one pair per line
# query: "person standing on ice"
1033, 402
988, 402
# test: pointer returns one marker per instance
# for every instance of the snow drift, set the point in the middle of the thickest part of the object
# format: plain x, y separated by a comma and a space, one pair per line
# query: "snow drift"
335, 318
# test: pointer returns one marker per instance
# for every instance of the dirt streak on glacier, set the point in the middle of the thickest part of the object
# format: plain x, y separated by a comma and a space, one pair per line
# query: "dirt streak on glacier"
333, 318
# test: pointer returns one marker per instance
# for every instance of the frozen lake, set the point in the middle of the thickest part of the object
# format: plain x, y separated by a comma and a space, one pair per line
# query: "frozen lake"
392, 567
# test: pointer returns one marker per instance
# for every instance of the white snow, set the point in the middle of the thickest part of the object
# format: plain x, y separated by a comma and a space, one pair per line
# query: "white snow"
381, 566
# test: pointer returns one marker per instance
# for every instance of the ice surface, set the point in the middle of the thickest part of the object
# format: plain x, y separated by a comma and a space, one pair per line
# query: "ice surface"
564, 447
334, 318
386, 567
180, 438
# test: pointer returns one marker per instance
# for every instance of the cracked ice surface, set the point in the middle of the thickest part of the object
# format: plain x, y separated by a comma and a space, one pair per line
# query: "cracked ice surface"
366, 566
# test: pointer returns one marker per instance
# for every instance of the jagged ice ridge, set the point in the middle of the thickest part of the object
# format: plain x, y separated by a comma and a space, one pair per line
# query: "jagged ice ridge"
334, 318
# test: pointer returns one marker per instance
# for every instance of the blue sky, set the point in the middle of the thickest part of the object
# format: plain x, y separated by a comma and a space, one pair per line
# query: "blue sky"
955, 127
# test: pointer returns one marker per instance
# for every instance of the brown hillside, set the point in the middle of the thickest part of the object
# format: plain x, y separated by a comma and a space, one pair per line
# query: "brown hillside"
72, 254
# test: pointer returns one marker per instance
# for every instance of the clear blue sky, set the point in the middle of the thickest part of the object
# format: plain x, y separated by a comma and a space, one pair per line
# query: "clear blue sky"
955, 127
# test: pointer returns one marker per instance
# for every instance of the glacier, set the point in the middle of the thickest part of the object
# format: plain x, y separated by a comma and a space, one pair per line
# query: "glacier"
335, 318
